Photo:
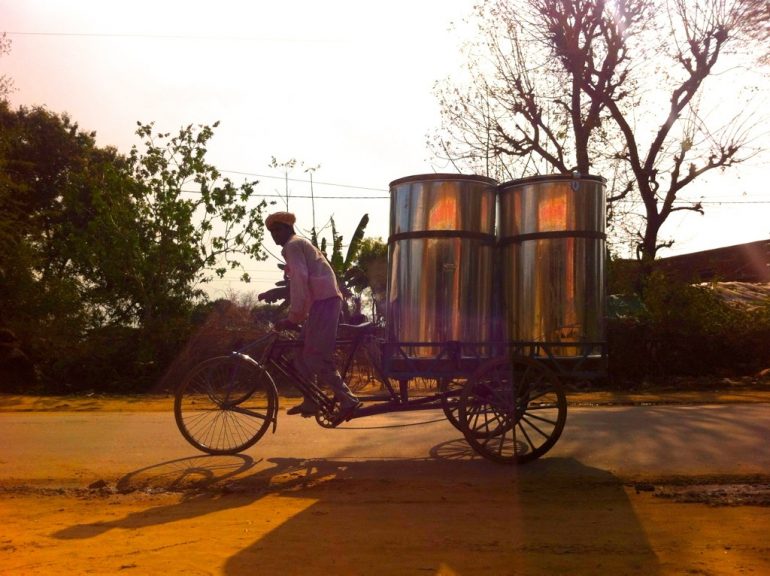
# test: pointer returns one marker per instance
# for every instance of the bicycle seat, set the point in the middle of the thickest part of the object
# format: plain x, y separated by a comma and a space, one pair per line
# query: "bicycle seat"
363, 328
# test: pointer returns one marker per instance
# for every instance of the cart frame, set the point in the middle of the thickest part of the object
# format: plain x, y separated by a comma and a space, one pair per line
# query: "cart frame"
507, 398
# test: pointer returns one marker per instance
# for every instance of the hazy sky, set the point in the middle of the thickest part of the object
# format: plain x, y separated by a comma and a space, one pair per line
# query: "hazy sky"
344, 84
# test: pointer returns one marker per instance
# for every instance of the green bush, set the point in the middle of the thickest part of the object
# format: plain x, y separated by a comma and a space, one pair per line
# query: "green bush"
687, 330
62, 358
112, 359
16, 369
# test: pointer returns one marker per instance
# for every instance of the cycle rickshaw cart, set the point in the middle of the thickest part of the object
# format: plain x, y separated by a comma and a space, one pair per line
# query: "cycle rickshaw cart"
495, 295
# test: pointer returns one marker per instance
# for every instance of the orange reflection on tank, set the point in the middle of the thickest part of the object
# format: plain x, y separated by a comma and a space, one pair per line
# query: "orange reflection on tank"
443, 214
552, 212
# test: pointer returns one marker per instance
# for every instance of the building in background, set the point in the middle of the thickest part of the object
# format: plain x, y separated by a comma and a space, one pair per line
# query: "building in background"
748, 262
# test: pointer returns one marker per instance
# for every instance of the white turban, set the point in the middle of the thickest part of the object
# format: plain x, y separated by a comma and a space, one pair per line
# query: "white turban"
280, 218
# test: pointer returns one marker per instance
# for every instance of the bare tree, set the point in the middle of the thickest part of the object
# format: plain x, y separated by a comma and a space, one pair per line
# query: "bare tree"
756, 22
614, 87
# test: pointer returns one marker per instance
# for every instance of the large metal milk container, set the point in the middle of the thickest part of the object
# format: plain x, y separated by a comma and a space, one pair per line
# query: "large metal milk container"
441, 250
551, 232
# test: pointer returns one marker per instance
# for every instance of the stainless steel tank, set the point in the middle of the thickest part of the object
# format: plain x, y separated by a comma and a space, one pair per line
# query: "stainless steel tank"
551, 232
441, 250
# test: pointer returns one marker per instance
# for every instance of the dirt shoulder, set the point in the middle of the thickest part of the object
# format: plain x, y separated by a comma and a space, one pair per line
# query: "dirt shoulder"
86, 403
349, 518
683, 391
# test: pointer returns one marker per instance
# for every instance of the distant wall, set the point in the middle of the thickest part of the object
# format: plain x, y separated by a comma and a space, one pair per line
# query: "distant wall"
748, 262
740, 263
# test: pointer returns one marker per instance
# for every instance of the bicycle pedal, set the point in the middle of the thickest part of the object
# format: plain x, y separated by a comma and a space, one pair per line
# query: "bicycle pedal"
347, 413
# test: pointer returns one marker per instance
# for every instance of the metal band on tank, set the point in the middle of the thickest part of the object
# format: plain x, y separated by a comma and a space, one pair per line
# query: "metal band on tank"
592, 234
485, 238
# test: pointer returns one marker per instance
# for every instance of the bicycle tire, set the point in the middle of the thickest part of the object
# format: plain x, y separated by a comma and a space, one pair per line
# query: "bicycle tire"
450, 389
225, 405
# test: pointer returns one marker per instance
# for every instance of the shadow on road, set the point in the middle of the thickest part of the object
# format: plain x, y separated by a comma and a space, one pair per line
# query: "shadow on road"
671, 440
452, 513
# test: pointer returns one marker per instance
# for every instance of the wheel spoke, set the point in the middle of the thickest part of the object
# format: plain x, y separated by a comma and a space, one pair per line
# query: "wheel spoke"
530, 443
528, 415
524, 420
248, 412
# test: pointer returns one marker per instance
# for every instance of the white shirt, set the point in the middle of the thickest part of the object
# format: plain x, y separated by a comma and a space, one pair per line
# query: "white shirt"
311, 278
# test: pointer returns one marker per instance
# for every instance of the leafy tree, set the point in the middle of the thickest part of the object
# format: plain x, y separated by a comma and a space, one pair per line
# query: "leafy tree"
175, 223
91, 240
48, 166
609, 87
49, 172
191, 220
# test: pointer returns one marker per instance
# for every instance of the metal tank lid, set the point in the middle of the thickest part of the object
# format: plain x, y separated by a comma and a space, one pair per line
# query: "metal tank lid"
440, 177
551, 178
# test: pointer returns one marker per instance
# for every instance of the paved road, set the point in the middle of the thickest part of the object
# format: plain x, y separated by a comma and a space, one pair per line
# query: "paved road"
76, 448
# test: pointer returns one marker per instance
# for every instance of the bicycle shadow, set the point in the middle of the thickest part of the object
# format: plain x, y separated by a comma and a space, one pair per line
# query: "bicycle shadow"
451, 513
204, 483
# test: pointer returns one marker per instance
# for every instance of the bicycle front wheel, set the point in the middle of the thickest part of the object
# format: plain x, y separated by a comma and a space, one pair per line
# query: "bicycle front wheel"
225, 405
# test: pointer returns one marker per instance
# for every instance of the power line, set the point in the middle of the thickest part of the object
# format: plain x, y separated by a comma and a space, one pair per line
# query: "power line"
144, 36
306, 181
728, 202
693, 202
351, 186
326, 197
306, 196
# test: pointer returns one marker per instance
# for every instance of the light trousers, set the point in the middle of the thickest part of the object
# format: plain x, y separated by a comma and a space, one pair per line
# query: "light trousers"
319, 335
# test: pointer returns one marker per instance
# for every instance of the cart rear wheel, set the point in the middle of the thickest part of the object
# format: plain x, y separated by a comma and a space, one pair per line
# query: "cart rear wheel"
512, 410
225, 405
450, 389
